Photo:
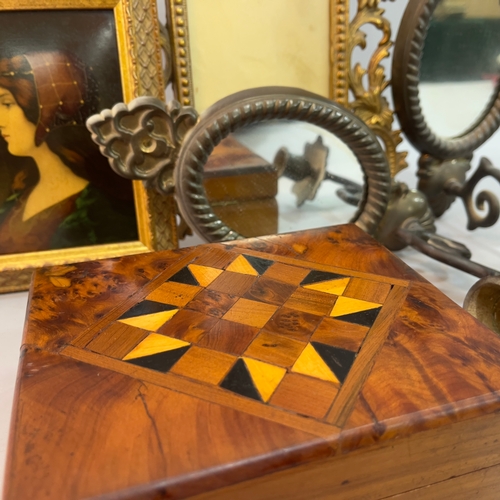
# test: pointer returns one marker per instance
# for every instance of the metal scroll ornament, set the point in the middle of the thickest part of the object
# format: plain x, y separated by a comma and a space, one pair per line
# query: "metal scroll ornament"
409, 221
443, 181
482, 200
142, 139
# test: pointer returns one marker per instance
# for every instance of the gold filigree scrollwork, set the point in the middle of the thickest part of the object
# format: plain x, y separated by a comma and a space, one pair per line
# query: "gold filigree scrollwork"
369, 103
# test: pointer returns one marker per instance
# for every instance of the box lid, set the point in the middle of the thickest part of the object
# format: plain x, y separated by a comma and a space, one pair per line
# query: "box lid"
176, 373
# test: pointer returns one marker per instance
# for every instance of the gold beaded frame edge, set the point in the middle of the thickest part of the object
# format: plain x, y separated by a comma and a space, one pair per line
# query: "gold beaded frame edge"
179, 35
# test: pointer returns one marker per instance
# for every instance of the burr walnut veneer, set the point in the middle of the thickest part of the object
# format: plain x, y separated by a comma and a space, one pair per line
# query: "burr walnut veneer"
307, 365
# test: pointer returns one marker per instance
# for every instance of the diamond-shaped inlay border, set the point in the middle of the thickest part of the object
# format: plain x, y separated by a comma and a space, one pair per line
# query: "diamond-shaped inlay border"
255, 326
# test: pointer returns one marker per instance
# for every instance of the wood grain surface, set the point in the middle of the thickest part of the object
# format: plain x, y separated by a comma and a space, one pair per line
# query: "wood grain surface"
233, 172
307, 365
449, 461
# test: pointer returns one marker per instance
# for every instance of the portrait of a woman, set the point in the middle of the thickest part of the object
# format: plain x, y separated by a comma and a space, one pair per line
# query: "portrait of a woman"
57, 190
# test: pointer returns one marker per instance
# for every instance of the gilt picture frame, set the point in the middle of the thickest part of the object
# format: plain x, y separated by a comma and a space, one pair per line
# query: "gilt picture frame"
60, 202
205, 57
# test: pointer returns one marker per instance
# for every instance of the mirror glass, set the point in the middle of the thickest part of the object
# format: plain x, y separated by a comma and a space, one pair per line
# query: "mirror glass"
460, 64
278, 177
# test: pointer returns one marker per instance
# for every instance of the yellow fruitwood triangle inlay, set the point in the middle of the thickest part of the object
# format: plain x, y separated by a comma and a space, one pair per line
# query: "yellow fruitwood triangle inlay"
346, 305
203, 274
334, 287
242, 266
310, 363
153, 344
266, 377
150, 321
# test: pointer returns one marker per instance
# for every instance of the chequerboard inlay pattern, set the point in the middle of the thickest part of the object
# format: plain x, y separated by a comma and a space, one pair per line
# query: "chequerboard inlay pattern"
270, 331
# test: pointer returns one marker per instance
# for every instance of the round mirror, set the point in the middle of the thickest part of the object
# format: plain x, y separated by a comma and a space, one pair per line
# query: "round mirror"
274, 160
459, 67
446, 74
279, 177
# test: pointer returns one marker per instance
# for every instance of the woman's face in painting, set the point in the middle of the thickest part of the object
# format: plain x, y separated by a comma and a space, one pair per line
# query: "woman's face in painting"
15, 128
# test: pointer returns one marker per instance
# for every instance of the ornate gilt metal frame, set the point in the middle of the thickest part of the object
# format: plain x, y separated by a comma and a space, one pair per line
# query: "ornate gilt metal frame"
368, 102
140, 61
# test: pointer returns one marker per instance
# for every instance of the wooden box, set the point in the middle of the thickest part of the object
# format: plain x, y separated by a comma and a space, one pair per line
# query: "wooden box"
242, 188
299, 366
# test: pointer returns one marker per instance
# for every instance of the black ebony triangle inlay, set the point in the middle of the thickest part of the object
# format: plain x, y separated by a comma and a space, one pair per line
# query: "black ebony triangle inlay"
161, 361
239, 380
260, 265
184, 276
338, 360
363, 318
146, 307
318, 276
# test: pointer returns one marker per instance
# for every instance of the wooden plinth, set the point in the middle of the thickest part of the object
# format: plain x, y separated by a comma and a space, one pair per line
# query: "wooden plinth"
299, 366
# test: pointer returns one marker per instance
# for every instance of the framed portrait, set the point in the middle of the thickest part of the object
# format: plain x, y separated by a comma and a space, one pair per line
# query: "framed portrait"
60, 202
224, 46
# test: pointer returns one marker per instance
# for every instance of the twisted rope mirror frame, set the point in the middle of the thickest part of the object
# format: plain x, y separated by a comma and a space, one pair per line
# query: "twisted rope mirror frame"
405, 81
275, 103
